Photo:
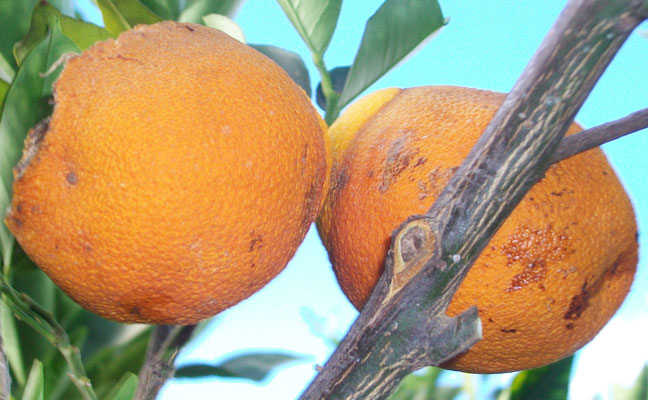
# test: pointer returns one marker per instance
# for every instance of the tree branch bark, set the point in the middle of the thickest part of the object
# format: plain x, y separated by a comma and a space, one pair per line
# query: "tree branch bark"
165, 344
403, 327
593, 137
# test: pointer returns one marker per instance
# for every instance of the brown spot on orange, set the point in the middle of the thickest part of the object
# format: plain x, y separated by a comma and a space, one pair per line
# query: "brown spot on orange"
505, 330
578, 304
536, 250
436, 180
71, 178
256, 242
398, 159
342, 178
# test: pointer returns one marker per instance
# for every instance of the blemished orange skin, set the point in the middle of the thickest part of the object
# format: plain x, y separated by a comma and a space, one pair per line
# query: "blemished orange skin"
179, 173
550, 278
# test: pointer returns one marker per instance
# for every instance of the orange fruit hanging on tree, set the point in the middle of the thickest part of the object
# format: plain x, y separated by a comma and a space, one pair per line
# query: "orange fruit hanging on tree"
553, 274
178, 174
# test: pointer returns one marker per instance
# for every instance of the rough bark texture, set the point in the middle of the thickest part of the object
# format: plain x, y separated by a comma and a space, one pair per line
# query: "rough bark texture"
403, 327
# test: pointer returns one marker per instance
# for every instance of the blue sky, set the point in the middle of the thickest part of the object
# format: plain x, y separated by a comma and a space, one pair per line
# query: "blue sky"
486, 45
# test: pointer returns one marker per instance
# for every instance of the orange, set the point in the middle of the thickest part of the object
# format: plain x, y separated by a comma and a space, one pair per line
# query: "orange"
550, 278
177, 176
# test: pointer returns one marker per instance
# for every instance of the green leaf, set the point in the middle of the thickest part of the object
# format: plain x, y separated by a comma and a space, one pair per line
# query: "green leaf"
167, 9
7, 72
56, 367
424, 386
122, 15
392, 33
196, 9
125, 389
225, 24
14, 22
314, 20
290, 62
545, 383
12, 343
638, 391
109, 363
26, 104
83, 34
338, 79
34, 387
254, 366
4, 88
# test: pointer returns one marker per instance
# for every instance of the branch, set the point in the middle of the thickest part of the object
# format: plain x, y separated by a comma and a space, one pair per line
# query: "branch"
403, 327
30, 312
166, 342
5, 379
593, 137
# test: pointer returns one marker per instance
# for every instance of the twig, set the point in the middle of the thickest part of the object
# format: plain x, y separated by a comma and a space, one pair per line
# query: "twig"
26, 309
593, 137
5, 379
166, 342
403, 326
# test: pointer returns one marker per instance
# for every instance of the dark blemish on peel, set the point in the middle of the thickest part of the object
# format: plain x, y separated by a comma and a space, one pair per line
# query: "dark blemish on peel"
190, 29
342, 180
420, 161
134, 311
535, 250
256, 242
19, 208
71, 178
398, 159
569, 326
578, 304
508, 330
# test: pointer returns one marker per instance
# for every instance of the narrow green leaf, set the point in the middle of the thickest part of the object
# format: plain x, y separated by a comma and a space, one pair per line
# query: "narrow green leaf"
545, 383
197, 9
291, 62
7, 72
34, 387
109, 363
167, 9
392, 33
424, 386
638, 391
125, 389
56, 378
11, 344
4, 88
254, 366
225, 24
83, 34
315, 21
26, 104
122, 15
14, 22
